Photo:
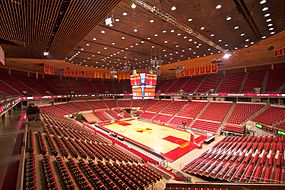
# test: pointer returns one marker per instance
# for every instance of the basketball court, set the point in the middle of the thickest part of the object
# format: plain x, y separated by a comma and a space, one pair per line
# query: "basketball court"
166, 141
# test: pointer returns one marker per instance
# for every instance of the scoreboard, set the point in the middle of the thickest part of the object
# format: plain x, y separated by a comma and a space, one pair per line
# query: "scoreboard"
143, 85
143, 79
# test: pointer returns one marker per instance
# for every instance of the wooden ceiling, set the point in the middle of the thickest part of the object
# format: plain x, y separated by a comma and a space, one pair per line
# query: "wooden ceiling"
67, 27
56, 26
134, 39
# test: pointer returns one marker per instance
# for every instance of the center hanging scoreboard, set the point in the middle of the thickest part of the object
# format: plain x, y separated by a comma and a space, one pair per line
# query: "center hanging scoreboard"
143, 85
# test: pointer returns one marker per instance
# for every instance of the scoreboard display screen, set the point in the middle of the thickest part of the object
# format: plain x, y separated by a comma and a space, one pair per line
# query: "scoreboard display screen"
135, 80
149, 93
151, 79
143, 85
137, 93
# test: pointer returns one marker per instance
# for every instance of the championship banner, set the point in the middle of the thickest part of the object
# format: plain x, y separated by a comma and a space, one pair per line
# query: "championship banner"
85, 74
198, 70
48, 69
2, 56
279, 52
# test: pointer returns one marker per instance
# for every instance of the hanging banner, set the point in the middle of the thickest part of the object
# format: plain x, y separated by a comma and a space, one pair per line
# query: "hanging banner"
198, 70
48, 69
2, 56
85, 74
279, 52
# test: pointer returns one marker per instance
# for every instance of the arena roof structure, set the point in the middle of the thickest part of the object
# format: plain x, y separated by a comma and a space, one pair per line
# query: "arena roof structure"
75, 31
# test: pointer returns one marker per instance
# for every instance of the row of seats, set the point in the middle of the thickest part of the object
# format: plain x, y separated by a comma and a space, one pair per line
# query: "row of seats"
233, 128
48, 175
41, 143
243, 159
69, 141
30, 142
30, 178
232, 82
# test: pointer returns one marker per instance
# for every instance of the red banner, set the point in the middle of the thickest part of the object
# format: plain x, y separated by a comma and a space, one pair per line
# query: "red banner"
198, 70
48, 69
85, 74
279, 52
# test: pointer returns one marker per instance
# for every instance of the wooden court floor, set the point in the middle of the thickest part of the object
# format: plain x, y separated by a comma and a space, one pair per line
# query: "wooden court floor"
167, 141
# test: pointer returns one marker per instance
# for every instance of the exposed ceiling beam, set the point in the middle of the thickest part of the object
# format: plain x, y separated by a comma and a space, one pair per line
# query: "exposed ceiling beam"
242, 8
171, 20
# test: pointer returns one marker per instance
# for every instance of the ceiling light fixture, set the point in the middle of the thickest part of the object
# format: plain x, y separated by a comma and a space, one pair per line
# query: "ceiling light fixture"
190, 19
262, 2
133, 5
151, 21
272, 33
236, 27
173, 8
268, 20
267, 15
218, 6
125, 14
46, 53
228, 18
227, 55
265, 9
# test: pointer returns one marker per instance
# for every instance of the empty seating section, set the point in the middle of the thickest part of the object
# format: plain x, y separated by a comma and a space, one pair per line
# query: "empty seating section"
30, 179
210, 82
281, 126
215, 111
8, 90
192, 109
87, 86
97, 105
147, 115
113, 114
275, 80
68, 108
110, 103
148, 104
174, 107
158, 106
20, 83
73, 86
177, 121
102, 116
82, 105
271, 116
192, 84
161, 118
124, 103
233, 128
137, 103
163, 85
58, 85
254, 80
231, 83
89, 160
241, 112
176, 86
206, 126
247, 159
